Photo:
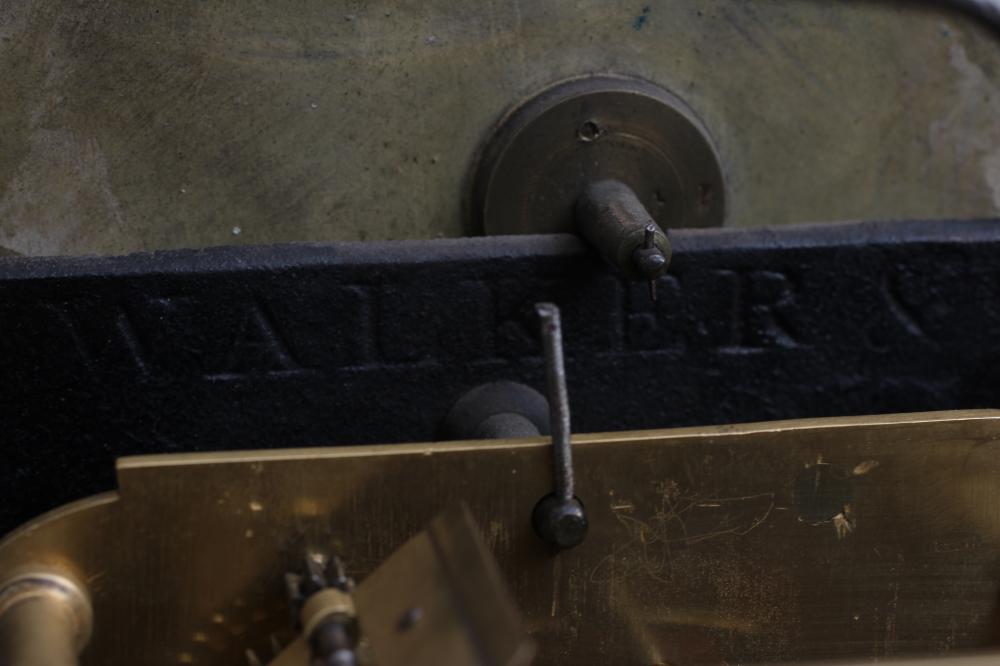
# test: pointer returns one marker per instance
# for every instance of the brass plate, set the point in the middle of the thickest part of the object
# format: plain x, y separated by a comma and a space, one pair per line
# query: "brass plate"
697, 552
440, 599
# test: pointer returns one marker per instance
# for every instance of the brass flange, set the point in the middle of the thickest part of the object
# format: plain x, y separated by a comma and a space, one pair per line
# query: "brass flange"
546, 152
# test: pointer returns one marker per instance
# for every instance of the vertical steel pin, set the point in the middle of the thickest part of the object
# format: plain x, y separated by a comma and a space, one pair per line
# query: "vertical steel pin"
559, 517
559, 420
649, 242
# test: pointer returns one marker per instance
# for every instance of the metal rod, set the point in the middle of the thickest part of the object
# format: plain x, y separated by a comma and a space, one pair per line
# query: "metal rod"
45, 620
611, 218
555, 372
649, 243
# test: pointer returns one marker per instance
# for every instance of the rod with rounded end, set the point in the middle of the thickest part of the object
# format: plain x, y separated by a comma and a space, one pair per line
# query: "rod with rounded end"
559, 421
610, 217
497, 410
45, 620
559, 517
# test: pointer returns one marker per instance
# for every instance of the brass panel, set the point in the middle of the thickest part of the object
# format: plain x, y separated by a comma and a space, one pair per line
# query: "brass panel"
853, 538
986, 659
440, 599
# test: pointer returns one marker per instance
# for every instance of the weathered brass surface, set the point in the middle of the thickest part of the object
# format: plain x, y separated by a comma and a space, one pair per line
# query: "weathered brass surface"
985, 659
850, 538
147, 125
439, 600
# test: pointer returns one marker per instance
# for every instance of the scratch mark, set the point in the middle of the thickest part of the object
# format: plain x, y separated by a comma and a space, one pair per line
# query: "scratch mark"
903, 312
96, 577
843, 523
556, 569
649, 547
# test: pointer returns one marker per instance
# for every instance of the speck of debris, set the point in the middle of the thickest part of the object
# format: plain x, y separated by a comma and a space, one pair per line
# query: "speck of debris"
642, 18
431, 40
843, 524
863, 468
237, 231
313, 105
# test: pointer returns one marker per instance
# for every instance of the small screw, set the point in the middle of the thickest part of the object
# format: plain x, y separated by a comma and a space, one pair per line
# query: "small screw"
410, 618
649, 260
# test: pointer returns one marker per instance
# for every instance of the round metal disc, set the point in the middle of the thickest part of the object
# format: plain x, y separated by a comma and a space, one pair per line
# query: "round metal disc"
545, 153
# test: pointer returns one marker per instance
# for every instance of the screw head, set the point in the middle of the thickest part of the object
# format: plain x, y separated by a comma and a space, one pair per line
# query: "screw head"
410, 618
589, 131
560, 523
651, 263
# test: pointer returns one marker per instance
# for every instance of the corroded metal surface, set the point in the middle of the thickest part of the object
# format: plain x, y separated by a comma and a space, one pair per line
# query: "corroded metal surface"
147, 125
549, 151
703, 549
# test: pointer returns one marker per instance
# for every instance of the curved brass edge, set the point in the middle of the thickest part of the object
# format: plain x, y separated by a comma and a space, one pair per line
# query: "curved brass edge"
127, 463
56, 514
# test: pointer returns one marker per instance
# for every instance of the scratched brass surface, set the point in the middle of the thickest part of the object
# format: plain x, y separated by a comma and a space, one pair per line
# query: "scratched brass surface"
154, 124
440, 599
984, 659
697, 554
466, 614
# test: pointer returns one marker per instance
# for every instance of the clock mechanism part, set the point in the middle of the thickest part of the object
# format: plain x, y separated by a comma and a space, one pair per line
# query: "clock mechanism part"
351, 556
616, 160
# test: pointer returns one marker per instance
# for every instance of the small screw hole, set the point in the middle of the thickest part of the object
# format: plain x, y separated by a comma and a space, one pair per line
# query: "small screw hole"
588, 131
705, 194
410, 618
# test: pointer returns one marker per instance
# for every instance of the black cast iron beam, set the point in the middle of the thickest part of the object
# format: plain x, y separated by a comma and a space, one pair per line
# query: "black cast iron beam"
238, 348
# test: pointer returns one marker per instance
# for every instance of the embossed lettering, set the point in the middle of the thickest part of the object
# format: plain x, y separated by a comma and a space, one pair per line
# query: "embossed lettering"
97, 344
258, 346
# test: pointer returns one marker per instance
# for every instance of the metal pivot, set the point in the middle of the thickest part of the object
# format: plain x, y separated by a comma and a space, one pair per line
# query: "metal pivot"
547, 151
45, 620
613, 220
322, 601
498, 410
559, 518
